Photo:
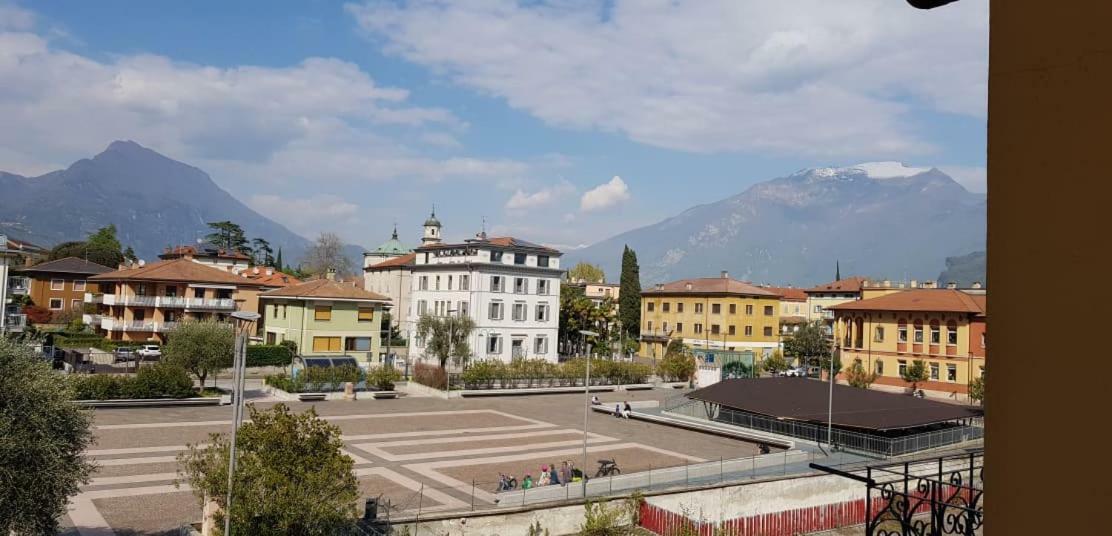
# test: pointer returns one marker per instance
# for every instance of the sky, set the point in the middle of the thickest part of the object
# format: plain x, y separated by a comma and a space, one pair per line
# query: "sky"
562, 122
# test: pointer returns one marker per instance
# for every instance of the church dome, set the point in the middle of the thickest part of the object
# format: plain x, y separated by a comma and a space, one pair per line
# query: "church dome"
392, 246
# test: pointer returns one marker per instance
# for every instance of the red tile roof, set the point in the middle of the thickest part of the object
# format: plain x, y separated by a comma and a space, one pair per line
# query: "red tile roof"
709, 285
68, 265
788, 293
325, 289
926, 300
405, 260
274, 279
849, 284
178, 270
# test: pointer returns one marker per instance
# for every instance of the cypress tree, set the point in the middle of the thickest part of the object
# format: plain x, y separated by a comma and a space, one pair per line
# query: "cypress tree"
629, 294
278, 260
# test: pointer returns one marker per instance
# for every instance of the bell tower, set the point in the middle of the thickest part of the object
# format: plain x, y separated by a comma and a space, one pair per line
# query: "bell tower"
432, 230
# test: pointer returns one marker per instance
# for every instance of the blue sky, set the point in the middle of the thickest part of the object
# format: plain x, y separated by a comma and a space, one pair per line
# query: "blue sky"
348, 116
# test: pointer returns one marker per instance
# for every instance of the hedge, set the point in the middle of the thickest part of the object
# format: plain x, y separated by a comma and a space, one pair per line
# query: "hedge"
269, 355
87, 340
160, 380
541, 373
328, 379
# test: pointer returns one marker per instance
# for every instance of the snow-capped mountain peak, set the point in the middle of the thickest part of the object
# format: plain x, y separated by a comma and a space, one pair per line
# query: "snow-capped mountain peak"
872, 170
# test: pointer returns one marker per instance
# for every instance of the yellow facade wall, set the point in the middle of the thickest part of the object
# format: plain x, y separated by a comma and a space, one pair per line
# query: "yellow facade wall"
693, 318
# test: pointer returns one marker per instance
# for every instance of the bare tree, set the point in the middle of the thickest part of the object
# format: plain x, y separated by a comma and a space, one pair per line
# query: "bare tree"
327, 253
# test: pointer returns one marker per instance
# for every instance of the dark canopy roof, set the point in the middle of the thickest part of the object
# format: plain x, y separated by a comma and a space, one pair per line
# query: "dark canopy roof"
68, 265
802, 399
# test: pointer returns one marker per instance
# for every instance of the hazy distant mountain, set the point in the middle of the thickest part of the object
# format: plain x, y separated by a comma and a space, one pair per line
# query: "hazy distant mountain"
154, 201
878, 219
966, 269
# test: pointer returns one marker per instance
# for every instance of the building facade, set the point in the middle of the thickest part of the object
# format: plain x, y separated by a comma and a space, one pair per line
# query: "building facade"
713, 313
945, 328
793, 309
61, 285
823, 297
15, 254
326, 317
509, 287
143, 302
210, 255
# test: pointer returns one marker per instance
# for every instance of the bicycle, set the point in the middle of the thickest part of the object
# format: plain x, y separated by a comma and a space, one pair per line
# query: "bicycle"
607, 468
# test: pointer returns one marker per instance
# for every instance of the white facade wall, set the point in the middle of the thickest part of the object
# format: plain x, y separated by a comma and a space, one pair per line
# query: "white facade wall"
395, 283
475, 262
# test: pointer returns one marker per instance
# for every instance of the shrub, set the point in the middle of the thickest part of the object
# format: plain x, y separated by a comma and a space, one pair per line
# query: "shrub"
285, 383
161, 380
331, 378
292, 345
269, 355
97, 387
383, 378
677, 367
430, 375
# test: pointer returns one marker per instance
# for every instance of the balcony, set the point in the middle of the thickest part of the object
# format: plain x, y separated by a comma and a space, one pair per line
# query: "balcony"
655, 335
143, 326
16, 323
95, 298
18, 285
164, 302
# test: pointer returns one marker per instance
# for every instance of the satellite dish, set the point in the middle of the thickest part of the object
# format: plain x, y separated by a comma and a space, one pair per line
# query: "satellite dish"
199, 240
142, 263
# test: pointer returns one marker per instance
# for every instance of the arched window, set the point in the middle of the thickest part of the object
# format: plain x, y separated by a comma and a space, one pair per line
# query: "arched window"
918, 337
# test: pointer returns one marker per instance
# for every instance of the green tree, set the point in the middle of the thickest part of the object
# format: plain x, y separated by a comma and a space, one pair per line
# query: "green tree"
775, 363
228, 236
629, 294
202, 347
261, 252
583, 271
446, 336
678, 362
278, 260
977, 390
101, 247
292, 477
393, 332
105, 238
43, 437
915, 373
809, 344
858, 377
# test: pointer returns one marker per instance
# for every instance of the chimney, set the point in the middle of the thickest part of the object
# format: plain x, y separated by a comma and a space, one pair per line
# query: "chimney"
269, 270
725, 274
256, 270
930, 284
687, 285
976, 284
330, 274
951, 285
660, 286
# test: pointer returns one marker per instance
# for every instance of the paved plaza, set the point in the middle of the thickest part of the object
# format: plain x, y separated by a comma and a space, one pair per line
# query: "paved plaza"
418, 454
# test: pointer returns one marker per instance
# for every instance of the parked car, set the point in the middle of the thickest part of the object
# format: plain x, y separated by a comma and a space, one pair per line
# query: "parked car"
124, 353
796, 371
150, 351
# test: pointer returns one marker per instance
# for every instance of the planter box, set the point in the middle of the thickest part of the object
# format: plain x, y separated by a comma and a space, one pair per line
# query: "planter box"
150, 402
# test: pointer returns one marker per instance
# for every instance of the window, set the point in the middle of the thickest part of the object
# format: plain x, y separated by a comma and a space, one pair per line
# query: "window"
495, 311
199, 293
879, 367
951, 334
664, 328
934, 371
494, 344
936, 334
901, 332
422, 307
464, 308
749, 309
903, 367
79, 285
75, 304
768, 310
951, 373
449, 282
419, 341
650, 307
679, 305
140, 289
437, 287
733, 308
326, 344
424, 282
275, 312
542, 261
679, 327
649, 324
918, 333
465, 282
521, 285
322, 313
540, 344
519, 311
496, 283
698, 328
357, 344
716, 308
818, 309
768, 331
664, 307
748, 331
542, 287
519, 258
495, 256
57, 284
366, 315
283, 310
714, 329
542, 312
878, 334
732, 330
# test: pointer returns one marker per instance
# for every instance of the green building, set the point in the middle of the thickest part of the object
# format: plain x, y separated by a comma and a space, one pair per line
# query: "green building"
326, 317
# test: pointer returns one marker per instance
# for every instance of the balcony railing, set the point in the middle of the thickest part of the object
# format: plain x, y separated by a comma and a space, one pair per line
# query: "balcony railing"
167, 302
16, 323
94, 298
18, 286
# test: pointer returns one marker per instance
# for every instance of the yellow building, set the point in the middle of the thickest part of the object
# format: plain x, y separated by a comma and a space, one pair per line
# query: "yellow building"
945, 328
710, 313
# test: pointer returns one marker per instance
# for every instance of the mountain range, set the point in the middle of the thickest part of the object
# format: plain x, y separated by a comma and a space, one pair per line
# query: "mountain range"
153, 200
882, 220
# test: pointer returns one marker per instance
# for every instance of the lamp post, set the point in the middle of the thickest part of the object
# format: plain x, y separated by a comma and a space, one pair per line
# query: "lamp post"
830, 401
243, 319
451, 344
587, 403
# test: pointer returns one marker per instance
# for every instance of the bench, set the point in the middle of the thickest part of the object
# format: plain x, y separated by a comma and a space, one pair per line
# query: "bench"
377, 395
311, 397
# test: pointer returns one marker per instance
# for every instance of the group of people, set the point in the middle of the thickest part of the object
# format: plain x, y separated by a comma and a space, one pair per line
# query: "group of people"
549, 475
623, 410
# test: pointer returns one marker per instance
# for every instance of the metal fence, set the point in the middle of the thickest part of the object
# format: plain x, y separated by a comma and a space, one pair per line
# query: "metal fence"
951, 434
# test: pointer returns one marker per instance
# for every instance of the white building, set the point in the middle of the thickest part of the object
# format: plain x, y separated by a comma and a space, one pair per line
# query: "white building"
14, 254
509, 287
388, 271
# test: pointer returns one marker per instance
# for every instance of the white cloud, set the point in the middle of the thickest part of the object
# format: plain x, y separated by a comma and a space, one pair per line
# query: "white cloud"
521, 200
604, 195
13, 17
973, 178
812, 77
307, 215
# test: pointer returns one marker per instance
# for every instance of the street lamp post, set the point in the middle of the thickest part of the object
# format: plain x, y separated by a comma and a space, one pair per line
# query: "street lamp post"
239, 361
451, 344
586, 403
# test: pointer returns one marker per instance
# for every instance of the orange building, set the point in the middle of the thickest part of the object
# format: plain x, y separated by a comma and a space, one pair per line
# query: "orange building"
144, 302
944, 328
61, 285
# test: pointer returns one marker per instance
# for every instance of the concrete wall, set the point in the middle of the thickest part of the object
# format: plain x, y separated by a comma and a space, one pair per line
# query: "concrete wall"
558, 520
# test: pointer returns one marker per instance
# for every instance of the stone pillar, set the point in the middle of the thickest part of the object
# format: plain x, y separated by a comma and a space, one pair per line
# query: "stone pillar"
349, 391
